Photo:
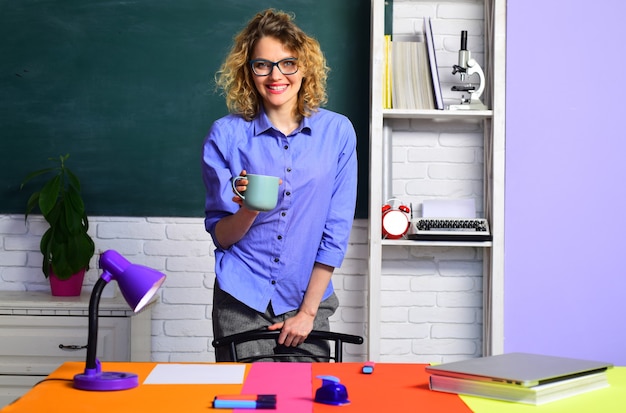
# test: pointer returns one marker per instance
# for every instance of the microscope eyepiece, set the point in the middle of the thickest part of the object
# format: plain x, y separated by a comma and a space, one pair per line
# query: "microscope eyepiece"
464, 40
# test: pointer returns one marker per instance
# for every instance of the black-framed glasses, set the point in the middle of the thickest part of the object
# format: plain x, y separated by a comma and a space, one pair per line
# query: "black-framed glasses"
263, 67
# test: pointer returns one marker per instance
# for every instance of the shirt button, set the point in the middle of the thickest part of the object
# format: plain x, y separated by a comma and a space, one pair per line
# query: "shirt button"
280, 237
288, 193
288, 169
276, 259
286, 146
283, 213
273, 282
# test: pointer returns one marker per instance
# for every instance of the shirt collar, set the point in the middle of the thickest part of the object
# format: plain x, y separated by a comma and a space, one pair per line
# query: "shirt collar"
262, 124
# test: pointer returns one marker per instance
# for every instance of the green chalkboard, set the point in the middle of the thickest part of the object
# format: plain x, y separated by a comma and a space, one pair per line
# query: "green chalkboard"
127, 89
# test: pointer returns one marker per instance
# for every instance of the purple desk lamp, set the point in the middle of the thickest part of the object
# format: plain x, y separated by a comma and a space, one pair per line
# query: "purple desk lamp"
138, 285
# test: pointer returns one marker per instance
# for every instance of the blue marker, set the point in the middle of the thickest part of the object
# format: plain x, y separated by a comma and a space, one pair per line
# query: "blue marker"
261, 401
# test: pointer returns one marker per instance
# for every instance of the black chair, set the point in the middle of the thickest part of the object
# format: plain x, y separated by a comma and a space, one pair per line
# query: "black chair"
261, 334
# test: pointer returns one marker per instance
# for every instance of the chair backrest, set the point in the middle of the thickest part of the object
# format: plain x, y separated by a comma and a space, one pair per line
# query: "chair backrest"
337, 338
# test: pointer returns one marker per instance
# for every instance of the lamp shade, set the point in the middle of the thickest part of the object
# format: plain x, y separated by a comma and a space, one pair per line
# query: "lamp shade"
137, 283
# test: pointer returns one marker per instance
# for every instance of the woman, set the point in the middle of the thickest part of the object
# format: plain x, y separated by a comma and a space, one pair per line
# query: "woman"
273, 269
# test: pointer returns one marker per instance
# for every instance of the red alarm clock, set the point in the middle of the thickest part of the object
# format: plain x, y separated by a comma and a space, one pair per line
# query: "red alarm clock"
396, 221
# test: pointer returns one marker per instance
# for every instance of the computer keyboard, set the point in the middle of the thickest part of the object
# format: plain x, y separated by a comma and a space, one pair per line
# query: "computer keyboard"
449, 229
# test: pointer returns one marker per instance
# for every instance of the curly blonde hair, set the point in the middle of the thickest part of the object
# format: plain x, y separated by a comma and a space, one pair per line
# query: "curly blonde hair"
235, 75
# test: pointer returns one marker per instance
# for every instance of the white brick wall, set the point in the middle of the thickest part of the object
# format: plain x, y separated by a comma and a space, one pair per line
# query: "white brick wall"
180, 247
431, 297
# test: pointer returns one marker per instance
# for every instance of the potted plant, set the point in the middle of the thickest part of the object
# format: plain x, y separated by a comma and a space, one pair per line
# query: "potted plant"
66, 246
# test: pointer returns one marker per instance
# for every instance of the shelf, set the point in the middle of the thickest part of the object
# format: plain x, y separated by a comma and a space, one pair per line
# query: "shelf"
383, 148
456, 115
411, 243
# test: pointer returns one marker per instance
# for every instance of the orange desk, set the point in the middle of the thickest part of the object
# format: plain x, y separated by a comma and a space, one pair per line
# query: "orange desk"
391, 388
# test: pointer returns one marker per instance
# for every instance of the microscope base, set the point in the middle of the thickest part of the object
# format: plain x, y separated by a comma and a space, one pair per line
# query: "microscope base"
476, 105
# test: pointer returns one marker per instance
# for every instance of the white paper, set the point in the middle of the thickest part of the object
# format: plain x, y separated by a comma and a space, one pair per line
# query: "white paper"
196, 374
449, 208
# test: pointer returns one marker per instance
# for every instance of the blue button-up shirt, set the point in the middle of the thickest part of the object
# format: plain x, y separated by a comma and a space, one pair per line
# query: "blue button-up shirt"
312, 221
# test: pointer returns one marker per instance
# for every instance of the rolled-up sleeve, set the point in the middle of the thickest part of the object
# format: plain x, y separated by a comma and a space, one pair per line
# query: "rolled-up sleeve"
343, 200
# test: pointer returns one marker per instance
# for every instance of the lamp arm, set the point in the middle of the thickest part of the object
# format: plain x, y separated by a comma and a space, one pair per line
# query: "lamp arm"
92, 338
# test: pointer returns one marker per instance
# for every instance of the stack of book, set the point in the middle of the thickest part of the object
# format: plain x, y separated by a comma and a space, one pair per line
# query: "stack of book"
520, 377
411, 80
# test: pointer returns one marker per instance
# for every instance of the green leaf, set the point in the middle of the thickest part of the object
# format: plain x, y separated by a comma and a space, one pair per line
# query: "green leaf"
45, 246
49, 195
44, 243
35, 174
80, 248
60, 263
75, 201
73, 222
72, 180
86, 249
62, 270
74, 259
33, 201
85, 222
55, 215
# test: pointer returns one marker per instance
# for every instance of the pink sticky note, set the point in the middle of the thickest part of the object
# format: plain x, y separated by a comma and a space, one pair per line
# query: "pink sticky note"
291, 382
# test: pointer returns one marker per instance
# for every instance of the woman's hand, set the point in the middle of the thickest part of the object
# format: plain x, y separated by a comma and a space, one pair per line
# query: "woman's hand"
242, 185
294, 330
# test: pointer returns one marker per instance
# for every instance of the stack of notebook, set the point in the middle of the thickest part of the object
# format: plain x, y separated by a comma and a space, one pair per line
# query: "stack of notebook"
520, 377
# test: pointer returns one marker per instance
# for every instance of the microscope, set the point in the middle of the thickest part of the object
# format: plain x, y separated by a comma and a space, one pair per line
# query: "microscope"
468, 66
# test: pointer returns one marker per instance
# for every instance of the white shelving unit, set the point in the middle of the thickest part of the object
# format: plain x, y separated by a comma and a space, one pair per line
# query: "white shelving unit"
492, 124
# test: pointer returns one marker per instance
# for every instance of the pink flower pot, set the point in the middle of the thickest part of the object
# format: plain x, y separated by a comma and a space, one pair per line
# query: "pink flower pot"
67, 288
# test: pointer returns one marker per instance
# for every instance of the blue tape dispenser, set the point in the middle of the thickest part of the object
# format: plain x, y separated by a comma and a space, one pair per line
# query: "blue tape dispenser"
332, 392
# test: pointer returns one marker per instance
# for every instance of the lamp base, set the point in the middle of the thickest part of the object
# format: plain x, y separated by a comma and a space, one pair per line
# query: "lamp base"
105, 381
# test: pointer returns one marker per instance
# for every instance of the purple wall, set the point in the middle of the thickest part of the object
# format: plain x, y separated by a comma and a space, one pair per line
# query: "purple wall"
565, 250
